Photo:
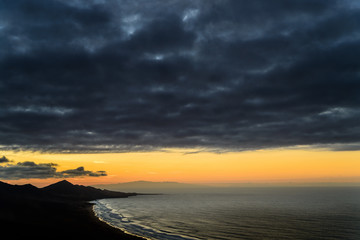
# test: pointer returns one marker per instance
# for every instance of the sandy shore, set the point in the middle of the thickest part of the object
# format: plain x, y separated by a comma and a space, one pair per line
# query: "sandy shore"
43, 219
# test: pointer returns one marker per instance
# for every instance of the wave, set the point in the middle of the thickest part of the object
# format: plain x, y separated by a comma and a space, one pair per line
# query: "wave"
320, 213
116, 219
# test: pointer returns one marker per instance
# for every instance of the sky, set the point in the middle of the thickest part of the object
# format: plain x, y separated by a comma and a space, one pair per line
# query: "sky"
183, 90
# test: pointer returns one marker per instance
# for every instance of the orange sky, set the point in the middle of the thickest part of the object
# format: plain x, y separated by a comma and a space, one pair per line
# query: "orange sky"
279, 165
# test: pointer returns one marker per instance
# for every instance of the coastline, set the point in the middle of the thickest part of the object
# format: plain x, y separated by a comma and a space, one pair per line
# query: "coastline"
43, 219
108, 227
60, 210
99, 219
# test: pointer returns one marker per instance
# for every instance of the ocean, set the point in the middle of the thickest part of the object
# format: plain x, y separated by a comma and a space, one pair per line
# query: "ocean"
244, 213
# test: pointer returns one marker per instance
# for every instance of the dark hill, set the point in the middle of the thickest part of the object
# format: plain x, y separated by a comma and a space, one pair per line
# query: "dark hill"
5, 186
61, 208
14, 188
65, 189
62, 190
27, 190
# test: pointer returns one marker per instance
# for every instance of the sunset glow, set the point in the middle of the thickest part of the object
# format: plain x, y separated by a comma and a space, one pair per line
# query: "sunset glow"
182, 91
271, 166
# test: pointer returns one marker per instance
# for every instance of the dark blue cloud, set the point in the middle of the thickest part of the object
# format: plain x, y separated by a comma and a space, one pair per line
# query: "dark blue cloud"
114, 76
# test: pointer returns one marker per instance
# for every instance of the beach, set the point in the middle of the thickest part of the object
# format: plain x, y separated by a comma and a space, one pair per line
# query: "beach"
43, 219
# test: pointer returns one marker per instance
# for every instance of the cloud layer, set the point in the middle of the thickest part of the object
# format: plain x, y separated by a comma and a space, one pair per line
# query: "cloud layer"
115, 76
27, 170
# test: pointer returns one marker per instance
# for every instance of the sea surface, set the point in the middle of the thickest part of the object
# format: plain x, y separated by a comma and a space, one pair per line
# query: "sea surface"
249, 213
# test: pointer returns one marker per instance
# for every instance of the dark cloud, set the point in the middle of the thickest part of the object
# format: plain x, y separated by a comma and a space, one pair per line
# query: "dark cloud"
80, 171
118, 76
27, 170
4, 159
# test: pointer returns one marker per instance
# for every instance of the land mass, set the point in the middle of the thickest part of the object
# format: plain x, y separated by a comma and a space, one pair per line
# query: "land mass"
60, 210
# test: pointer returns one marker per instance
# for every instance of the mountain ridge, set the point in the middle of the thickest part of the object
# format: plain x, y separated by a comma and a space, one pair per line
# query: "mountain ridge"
62, 208
62, 190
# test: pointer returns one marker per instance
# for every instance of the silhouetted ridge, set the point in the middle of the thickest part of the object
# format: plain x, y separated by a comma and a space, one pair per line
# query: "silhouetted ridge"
26, 190
27, 187
61, 187
62, 183
5, 187
58, 191
65, 189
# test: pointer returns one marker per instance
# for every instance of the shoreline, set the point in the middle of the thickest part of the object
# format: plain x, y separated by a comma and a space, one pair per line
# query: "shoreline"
60, 210
44, 219
93, 215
